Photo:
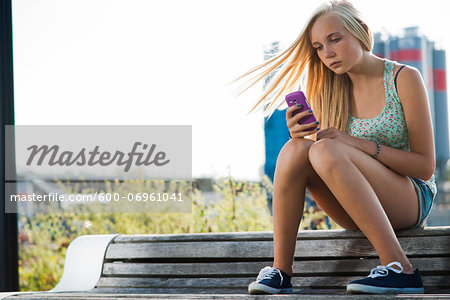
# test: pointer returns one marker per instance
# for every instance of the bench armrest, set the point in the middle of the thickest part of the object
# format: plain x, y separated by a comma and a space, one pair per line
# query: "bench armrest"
83, 263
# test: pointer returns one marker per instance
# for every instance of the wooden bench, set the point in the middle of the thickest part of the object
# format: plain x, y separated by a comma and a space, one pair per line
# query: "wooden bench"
222, 265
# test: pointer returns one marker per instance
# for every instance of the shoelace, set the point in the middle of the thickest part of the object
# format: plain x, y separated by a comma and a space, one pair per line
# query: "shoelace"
268, 273
263, 272
380, 271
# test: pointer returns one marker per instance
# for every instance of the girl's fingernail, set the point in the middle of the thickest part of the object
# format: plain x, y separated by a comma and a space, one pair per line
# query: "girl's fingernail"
299, 105
310, 111
317, 122
317, 128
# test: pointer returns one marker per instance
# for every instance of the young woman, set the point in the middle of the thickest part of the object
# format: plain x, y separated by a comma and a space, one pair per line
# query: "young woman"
370, 164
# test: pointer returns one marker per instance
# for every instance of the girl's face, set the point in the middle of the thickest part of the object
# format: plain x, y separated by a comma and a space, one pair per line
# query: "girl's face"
336, 47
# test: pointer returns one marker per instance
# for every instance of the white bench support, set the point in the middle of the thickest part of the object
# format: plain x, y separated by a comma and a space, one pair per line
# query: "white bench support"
83, 264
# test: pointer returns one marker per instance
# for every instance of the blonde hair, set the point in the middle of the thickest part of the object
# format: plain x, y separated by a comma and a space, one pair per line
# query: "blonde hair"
327, 92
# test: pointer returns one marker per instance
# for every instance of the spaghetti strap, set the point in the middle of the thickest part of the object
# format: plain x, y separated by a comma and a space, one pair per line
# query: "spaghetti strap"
396, 74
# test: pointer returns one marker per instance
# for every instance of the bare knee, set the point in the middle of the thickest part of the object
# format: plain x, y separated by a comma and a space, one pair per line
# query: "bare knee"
324, 154
295, 153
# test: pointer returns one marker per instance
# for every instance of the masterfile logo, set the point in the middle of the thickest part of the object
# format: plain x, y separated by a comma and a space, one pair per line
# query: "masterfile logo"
95, 157
119, 152
120, 168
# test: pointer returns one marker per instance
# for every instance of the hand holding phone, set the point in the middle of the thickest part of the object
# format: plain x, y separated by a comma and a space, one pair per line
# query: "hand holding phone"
297, 98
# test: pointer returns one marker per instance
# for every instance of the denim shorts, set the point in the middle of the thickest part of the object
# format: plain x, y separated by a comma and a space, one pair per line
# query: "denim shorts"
426, 200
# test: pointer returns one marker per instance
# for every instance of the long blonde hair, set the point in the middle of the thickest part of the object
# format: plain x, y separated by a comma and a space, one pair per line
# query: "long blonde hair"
327, 92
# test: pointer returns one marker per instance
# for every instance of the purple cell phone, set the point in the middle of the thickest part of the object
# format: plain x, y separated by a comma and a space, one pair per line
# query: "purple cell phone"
296, 98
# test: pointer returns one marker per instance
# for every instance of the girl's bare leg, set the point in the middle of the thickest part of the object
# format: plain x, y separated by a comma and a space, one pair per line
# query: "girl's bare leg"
293, 174
296, 169
289, 186
377, 199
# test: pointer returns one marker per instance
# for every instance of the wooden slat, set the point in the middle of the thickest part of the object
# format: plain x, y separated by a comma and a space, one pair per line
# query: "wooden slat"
268, 235
243, 293
426, 245
199, 283
180, 294
301, 268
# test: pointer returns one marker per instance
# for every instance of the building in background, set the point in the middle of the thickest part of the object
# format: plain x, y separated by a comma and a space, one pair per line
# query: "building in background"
410, 48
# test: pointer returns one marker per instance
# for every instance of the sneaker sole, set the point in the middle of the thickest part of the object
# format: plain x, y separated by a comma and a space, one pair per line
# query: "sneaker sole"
356, 288
257, 288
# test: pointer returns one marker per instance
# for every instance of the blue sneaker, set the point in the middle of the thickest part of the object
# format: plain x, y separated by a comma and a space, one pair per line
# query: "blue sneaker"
270, 280
388, 280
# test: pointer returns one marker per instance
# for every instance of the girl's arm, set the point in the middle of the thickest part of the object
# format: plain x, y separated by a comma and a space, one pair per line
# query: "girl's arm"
420, 162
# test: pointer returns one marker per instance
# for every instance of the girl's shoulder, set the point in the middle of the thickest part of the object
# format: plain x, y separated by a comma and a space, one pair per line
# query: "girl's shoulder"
408, 84
406, 70
406, 77
401, 79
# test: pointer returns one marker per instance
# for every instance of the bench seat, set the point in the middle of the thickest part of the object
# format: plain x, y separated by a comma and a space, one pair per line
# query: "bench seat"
222, 265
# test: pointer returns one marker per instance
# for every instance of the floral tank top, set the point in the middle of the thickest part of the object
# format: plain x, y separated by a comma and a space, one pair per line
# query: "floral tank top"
389, 128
